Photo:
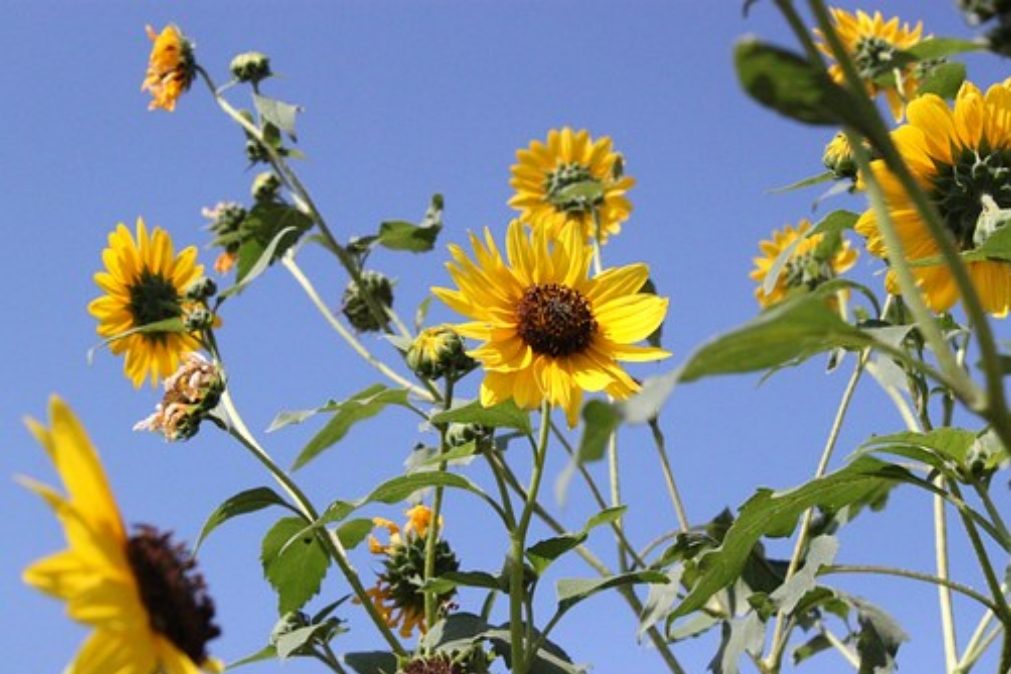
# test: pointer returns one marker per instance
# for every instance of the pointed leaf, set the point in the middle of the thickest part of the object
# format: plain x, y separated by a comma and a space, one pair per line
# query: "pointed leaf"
280, 114
571, 591
242, 503
504, 415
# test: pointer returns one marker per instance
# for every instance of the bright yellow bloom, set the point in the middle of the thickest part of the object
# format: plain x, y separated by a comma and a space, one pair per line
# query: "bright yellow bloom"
144, 282
803, 268
566, 179
550, 331
170, 68
872, 43
140, 593
961, 158
397, 595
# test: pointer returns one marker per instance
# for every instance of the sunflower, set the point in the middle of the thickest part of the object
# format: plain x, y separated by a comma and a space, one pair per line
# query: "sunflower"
551, 332
807, 265
144, 282
873, 43
961, 157
140, 592
170, 68
566, 179
397, 594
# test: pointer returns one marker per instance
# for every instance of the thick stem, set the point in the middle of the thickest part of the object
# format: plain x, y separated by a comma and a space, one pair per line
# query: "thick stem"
432, 539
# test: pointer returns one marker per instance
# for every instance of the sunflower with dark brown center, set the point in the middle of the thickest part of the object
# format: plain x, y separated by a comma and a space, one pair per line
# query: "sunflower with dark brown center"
141, 593
550, 331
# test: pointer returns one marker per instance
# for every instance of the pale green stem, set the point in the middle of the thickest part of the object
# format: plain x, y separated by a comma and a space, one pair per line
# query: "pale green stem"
668, 474
912, 575
842, 648
780, 635
945, 604
238, 429
432, 539
289, 262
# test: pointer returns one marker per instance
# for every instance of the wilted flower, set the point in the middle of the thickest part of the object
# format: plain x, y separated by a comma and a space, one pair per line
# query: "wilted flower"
170, 68
356, 308
190, 394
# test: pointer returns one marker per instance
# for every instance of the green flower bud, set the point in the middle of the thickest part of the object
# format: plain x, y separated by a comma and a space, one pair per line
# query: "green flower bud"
266, 186
460, 434
252, 66
438, 351
200, 290
198, 318
255, 152
356, 309
838, 157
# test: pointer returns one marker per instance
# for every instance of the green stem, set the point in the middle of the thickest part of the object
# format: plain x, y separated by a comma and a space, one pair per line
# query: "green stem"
289, 262
912, 575
333, 660
780, 635
668, 473
943, 571
238, 429
432, 539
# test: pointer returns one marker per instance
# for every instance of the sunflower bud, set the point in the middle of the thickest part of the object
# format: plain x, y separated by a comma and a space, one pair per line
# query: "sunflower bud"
191, 393
197, 318
200, 290
355, 307
251, 66
266, 186
288, 623
838, 157
438, 351
458, 435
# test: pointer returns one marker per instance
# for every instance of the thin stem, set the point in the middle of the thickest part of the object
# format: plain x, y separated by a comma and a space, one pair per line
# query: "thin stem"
979, 648
780, 635
668, 473
912, 575
333, 660
238, 429
432, 538
503, 490
289, 262
943, 571
841, 647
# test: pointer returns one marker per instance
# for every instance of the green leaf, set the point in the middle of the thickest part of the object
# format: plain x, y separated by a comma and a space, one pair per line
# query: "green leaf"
825, 177
254, 258
402, 235
297, 572
265, 653
452, 579
811, 647
770, 513
280, 114
168, 325
503, 415
792, 86
941, 448
835, 222
878, 640
940, 47
401, 488
660, 600
290, 643
352, 533
242, 503
600, 421
549, 659
542, 553
944, 80
698, 624
822, 551
744, 634
359, 407
372, 662
571, 591
772, 276
458, 453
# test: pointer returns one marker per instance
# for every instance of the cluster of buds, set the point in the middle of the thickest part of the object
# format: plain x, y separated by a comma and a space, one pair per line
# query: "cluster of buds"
226, 220
251, 66
439, 351
999, 12
355, 306
266, 187
191, 393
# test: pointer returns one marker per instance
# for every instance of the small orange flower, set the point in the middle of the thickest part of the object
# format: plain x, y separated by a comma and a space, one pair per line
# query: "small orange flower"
170, 68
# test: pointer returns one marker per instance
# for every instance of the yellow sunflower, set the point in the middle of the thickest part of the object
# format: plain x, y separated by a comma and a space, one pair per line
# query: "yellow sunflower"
566, 178
961, 157
397, 594
140, 592
170, 68
144, 282
550, 331
872, 43
806, 266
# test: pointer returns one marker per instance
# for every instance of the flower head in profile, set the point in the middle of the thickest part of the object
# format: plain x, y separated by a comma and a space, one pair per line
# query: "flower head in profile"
397, 594
550, 331
568, 178
191, 392
170, 67
809, 263
873, 44
961, 156
145, 282
141, 593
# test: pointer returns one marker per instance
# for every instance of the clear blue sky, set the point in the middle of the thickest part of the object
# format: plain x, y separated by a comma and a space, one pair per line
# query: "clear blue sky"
403, 99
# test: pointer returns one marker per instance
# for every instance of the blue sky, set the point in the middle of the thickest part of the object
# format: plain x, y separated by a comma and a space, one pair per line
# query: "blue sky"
403, 100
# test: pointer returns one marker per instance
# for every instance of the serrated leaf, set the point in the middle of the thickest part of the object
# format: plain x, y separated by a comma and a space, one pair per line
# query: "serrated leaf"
277, 112
242, 503
571, 591
352, 533
503, 415
363, 406
297, 572
943, 80
770, 513
372, 662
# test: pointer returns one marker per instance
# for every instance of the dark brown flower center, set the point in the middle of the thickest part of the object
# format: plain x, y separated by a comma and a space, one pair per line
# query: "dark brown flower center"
555, 320
153, 298
959, 189
172, 591
436, 664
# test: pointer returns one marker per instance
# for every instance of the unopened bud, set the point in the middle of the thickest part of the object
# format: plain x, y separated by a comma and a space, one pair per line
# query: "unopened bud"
458, 435
266, 186
200, 290
838, 157
197, 318
356, 308
438, 351
252, 66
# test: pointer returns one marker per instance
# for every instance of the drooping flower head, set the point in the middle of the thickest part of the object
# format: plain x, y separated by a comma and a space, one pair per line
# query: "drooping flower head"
145, 282
191, 392
872, 43
551, 332
808, 265
141, 593
170, 67
566, 178
961, 156
397, 594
